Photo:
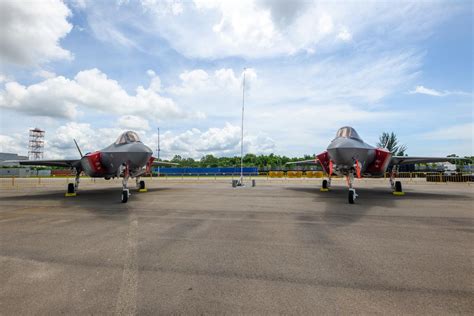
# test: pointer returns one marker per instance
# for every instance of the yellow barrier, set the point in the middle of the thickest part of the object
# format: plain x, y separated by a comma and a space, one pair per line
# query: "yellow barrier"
314, 174
294, 174
276, 174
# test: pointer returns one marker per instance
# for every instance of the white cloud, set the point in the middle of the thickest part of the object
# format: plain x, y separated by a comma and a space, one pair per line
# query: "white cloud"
435, 93
44, 74
455, 132
223, 80
31, 31
223, 141
262, 28
191, 143
92, 89
13, 144
344, 35
133, 122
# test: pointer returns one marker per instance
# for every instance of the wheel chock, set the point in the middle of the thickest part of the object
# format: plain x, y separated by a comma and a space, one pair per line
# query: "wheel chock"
398, 193
323, 190
70, 194
142, 190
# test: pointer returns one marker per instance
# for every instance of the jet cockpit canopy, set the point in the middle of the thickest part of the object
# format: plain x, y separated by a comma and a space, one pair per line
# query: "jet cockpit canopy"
348, 132
127, 137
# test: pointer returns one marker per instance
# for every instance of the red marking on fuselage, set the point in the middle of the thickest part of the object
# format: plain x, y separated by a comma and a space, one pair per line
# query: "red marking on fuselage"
95, 163
381, 161
149, 164
325, 162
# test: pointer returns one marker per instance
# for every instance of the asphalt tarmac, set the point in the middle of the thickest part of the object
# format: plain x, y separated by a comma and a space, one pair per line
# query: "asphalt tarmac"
208, 248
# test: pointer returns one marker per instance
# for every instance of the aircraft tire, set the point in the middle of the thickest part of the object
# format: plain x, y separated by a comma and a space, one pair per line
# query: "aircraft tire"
351, 197
70, 188
398, 186
124, 196
142, 185
325, 184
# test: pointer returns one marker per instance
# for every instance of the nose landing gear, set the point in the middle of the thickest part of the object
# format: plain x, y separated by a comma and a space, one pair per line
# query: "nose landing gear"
72, 187
352, 192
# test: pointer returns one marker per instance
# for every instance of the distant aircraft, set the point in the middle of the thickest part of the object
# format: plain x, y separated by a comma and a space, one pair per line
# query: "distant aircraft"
128, 157
348, 155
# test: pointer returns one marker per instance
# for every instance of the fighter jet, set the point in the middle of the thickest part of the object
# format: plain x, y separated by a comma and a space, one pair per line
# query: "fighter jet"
128, 158
348, 155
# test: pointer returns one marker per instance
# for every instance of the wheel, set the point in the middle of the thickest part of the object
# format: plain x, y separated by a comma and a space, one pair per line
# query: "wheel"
325, 184
398, 186
124, 196
351, 196
70, 188
142, 185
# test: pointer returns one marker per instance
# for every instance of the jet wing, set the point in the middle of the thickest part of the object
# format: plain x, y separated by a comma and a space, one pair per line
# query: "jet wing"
157, 163
46, 162
401, 160
304, 162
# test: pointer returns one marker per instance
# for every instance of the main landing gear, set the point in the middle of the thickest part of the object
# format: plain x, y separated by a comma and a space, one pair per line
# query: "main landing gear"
326, 185
140, 185
72, 187
396, 185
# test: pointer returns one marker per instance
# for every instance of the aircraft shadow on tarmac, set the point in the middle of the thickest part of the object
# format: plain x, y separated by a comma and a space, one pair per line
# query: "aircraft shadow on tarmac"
338, 211
102, 202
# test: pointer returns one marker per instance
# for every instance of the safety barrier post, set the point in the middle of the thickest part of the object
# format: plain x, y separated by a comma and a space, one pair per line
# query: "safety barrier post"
13, 182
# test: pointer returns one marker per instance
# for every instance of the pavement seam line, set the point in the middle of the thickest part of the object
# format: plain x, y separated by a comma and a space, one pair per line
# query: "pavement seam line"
127, 297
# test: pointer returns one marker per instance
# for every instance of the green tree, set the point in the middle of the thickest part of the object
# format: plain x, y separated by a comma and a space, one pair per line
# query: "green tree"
390, 142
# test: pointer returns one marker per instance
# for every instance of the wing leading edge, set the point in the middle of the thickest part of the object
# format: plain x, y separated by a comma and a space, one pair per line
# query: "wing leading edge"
401, 160
157, 163
304, 162
71, 163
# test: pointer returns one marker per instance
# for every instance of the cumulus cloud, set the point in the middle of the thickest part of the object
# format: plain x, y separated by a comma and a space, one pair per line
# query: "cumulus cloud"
31, 31
133, 122
262, 28
435, 93
90, 89
194, 143
44, 74
223, 141
198, 81
13, 144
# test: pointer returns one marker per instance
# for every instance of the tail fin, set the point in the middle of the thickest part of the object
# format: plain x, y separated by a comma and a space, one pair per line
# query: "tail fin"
78, 149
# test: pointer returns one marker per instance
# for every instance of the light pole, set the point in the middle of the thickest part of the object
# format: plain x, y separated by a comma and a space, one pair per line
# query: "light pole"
242, 134
158, 150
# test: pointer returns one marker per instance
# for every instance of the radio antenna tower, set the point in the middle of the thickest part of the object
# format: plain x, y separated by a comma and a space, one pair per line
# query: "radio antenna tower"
158, 145
36, 144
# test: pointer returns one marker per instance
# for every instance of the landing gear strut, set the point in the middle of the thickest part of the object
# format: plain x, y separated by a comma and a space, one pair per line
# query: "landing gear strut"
72, 187
140, 185
352, 192
125, 190
396, 185
326, 185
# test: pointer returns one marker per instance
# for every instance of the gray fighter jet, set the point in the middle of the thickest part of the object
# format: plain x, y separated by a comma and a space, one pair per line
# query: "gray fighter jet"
348, 155
128, 157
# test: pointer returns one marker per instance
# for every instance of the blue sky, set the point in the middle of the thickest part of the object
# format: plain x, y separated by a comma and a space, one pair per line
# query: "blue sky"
91, 69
